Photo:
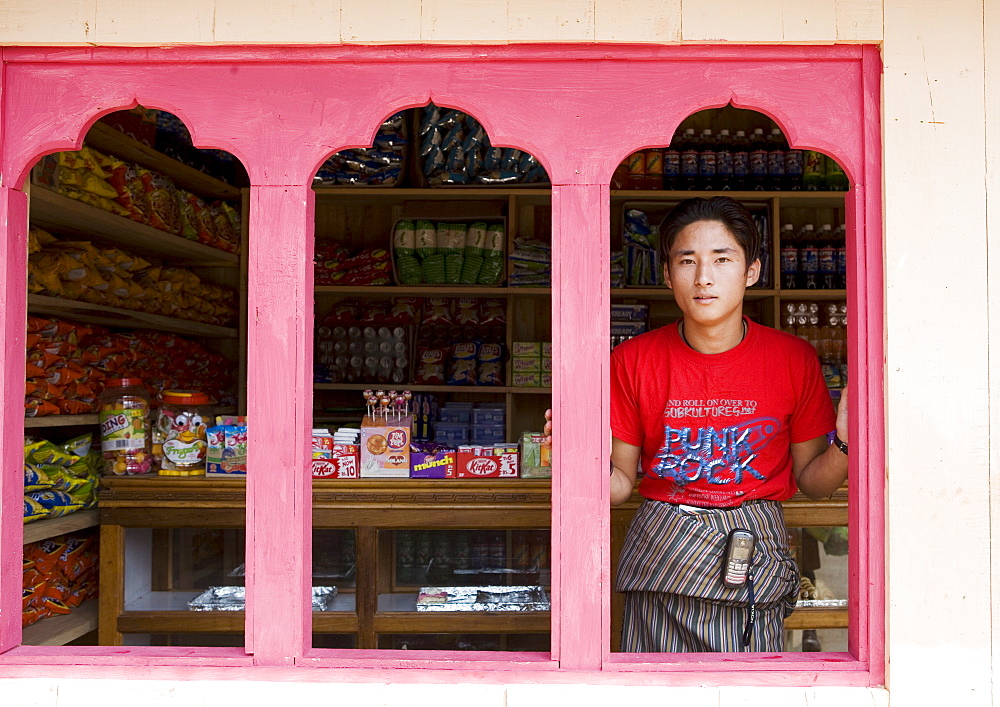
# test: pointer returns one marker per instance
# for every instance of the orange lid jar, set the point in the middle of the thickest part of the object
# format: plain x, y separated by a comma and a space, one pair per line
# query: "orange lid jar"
180, 443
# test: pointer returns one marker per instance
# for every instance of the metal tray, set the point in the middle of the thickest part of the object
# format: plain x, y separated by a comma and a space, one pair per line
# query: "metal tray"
821, 604
486, 598
234, 599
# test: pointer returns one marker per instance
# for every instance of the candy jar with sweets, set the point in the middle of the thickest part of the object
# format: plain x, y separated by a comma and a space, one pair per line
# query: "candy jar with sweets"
181, 444
125, 433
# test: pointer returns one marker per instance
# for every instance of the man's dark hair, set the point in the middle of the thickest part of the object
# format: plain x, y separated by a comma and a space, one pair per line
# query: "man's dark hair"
726, 210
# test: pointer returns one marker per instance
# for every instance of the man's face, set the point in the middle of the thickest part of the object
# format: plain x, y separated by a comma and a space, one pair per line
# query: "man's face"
708, 273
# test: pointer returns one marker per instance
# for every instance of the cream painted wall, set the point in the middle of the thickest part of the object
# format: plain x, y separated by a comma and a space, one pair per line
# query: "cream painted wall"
454, 21
941, 108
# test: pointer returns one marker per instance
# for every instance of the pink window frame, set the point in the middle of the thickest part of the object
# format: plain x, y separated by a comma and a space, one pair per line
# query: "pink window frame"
580, 110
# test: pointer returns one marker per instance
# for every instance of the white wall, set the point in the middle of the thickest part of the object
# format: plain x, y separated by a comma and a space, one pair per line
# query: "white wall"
941, 101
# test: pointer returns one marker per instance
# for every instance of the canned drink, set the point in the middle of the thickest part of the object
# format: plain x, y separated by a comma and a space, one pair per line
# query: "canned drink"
637, 164
520, 551
324, 332
498, 552
540, 549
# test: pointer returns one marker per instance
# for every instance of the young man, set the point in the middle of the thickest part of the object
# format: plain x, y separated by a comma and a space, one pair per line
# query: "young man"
726, 418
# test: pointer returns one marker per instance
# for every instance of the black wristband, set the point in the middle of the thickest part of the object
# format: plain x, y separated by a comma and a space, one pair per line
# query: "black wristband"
840, 444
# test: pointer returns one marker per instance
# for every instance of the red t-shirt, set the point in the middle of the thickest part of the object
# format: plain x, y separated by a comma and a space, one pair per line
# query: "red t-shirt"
716, 429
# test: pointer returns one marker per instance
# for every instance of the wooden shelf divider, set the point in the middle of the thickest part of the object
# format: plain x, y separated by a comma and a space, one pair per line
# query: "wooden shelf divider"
50, 527
60, 630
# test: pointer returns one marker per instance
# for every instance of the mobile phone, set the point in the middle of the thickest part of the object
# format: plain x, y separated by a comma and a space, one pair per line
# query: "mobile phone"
737, 558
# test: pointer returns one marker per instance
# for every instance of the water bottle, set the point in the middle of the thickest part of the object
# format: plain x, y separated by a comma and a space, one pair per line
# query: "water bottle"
789, 258
689, 160
706, 160
776, 159
758, 161
724, 161
808, 259
741, 161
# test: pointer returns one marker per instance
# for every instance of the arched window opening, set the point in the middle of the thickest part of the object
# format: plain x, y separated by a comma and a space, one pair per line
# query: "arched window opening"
135, 370
432, 367
794, 198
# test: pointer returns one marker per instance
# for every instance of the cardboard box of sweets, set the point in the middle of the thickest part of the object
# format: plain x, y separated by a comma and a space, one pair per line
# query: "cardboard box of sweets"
495, 461
385, 447
342, 463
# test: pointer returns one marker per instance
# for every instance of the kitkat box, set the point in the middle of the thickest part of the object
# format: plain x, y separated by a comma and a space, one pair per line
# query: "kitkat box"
492, 461
343, 462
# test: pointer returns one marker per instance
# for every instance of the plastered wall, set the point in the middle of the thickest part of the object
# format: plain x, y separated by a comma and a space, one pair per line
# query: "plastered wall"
940, 106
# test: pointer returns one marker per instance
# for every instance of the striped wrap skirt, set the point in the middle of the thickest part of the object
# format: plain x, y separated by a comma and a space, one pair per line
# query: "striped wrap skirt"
670, 572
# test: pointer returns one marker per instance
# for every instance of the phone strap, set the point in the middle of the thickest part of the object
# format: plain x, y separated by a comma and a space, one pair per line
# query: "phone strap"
751, 615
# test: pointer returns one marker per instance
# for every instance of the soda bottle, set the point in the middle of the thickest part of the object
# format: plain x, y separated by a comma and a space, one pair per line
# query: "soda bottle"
827, 259
789, 258
836, 178
706, 160
654, 169
758, 161
814, 171
776, 159
724, 161
841, 236
808, 258
689, 160
741, 160
636, 170
794, 162
672, 164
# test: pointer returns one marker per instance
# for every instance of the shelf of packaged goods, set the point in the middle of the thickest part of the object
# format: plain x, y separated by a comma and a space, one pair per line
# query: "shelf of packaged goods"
788, 198
50, 527
60, 630
818, 295
430, 291
473, 193
482, 389
106, 139
123, 318
60, 421
62, 215
803, 618
665, 293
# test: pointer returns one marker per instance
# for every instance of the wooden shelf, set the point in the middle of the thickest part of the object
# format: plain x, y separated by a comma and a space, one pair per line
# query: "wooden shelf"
123, 318
431, 291
816, 618
794, 198
50, 527
61, 420
60, 214
106, 139
471, 193
819, 295
60, 630
516, 390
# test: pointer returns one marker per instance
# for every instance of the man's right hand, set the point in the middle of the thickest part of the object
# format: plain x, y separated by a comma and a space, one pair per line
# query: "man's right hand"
547, 429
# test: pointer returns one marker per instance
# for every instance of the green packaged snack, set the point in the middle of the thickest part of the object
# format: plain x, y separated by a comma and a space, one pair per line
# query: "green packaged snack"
404, 238
453, 264
470, 271
491, 271
475, 239
409, 270
433, 269
426, 239
494, 240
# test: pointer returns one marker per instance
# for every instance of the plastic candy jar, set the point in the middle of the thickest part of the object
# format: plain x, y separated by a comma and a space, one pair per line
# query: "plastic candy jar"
181, 443
125, 431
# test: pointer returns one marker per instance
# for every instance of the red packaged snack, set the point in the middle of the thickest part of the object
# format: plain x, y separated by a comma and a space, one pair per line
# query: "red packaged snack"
466, 311
405, 310
33, 407
437, 310
493, 311
163, 213
431, 365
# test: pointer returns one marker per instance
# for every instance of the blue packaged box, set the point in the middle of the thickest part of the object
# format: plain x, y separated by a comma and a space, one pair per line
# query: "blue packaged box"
489, 414
455, 412
451, 433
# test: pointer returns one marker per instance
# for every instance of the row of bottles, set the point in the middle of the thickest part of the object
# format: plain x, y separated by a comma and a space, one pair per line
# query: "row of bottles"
457, 557
813, 260
725, 162
824, 325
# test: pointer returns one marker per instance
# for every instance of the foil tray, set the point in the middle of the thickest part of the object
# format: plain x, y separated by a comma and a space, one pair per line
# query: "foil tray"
234, 599
486, 598
821, 604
